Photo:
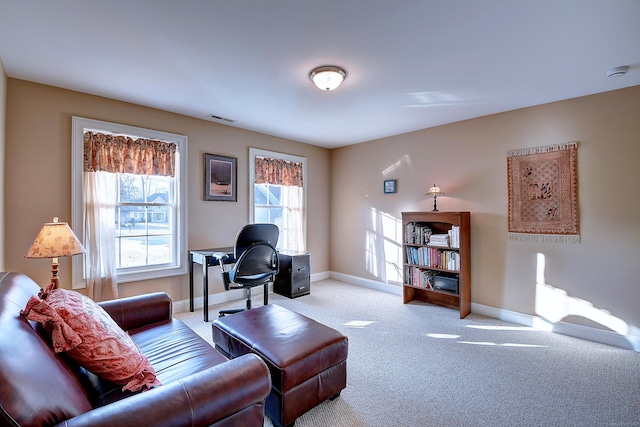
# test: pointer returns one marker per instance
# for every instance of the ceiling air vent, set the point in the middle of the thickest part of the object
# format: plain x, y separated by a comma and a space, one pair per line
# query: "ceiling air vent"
223, 119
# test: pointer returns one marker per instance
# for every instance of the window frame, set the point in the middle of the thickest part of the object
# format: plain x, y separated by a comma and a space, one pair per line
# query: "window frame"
255, 152
79, 126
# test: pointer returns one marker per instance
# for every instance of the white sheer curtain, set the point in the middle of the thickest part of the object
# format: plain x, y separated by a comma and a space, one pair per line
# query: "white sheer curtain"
100, 191
292, 198
289, 174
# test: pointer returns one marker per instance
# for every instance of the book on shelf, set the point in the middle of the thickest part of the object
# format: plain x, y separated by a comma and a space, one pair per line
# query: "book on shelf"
419, 278
420, 234
454, 236
432, 257
417, 234
439, 240
450, 260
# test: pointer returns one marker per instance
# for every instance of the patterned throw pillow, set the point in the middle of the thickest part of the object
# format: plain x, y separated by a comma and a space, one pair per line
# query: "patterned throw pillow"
91, 337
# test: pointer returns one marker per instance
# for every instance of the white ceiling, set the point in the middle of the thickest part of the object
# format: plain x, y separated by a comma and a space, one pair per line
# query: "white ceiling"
411, 64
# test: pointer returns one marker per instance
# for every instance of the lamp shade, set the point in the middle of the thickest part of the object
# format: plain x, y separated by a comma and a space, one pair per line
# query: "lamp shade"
56, 239
328, 77
435, 191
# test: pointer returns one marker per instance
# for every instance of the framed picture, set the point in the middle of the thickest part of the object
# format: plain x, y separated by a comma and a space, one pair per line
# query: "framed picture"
390, 186
220, 178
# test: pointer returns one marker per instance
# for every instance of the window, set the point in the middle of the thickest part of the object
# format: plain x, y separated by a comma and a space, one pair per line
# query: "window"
146, 212
278, 195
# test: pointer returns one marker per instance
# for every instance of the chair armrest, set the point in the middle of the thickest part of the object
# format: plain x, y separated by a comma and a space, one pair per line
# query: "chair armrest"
141, 310
200, 399
223, 259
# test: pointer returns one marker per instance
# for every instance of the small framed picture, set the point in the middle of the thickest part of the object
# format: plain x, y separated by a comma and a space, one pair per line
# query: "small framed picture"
390, 186
220, 176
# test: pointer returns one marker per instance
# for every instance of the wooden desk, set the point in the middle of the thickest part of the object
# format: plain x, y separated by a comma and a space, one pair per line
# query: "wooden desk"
206, 258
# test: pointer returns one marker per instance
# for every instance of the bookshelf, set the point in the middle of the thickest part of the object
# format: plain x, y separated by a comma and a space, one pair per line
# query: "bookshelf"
437, 259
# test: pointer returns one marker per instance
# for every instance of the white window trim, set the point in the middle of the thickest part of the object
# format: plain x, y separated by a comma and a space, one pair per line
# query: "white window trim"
79, 126
255, 152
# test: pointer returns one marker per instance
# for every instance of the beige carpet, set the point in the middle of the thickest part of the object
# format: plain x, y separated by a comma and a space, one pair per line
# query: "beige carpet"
420, 365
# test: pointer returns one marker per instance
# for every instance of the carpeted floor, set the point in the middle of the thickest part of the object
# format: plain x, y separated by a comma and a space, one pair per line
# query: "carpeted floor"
420, 365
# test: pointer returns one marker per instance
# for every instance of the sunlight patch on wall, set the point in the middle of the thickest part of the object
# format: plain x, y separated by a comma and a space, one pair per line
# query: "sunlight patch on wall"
372, 255
404, 159
554, 304
384, 247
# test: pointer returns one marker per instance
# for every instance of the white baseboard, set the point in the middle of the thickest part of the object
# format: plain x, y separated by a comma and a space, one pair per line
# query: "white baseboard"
233, 295
630, 342
219, 298
367, 283
320, 276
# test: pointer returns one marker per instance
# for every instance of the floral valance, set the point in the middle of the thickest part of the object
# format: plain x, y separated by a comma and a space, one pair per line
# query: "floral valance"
278, 172
123, 154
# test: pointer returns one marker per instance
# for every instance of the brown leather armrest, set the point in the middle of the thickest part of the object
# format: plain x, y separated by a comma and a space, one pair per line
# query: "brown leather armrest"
138, 311
198, 400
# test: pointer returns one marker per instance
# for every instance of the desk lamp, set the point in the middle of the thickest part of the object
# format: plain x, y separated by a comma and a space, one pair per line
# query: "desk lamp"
436, 192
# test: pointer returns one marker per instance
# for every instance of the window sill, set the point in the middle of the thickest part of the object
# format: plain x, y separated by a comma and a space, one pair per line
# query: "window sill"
143, 275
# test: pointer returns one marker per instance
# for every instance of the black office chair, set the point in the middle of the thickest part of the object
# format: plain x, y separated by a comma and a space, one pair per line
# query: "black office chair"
256, 262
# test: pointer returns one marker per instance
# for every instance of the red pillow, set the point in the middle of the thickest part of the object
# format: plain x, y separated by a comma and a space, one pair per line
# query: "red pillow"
91, 337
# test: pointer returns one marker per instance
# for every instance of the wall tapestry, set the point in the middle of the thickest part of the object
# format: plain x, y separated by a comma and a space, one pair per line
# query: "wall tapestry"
543, 194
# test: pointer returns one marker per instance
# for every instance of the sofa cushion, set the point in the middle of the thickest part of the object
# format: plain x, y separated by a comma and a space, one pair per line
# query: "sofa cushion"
91, 337
174, 350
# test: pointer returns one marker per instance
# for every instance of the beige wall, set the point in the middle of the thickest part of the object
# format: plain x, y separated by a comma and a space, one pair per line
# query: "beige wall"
38, 177
352, 226
468, 161
3, 108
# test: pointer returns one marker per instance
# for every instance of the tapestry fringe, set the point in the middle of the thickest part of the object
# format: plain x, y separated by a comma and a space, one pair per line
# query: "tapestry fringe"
544, 238
546, 149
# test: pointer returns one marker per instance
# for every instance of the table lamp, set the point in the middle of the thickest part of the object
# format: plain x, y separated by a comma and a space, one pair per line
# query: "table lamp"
56, 239
436, 192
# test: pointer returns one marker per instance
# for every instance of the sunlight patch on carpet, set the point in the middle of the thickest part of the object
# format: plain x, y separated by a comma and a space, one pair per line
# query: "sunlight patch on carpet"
501, 328
493, 344
443, 336
358, 323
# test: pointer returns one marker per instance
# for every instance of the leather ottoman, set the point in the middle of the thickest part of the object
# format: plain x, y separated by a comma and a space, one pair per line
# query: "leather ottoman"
307, 360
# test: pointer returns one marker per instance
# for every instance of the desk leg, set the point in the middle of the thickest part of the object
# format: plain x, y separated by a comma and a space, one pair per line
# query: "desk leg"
205, 288
191, 308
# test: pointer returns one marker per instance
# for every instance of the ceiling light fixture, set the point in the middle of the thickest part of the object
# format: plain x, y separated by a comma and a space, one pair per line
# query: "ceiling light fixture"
327, 77
617, 71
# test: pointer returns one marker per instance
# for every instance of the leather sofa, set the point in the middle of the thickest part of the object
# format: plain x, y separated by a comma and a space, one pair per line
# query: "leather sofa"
200, 387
